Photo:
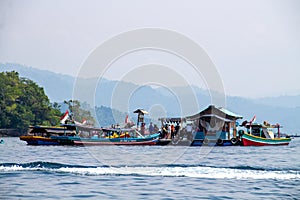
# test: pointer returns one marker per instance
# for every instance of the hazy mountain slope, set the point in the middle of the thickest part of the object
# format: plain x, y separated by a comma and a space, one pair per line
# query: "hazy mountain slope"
178, 101
282, 101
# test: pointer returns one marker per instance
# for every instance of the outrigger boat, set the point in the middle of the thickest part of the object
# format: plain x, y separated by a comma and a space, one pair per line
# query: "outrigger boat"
262, 135
107, 136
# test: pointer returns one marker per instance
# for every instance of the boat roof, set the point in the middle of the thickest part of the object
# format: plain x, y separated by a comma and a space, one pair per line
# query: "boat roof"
209, 116
141, 111
58, 128
216, 111
263, 125
227, 112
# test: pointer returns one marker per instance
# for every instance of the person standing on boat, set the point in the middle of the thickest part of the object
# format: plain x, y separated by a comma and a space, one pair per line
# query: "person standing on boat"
169, 132
189, 128
177, 127
156, 129
164, 131
172, 131
143, 128
151, 128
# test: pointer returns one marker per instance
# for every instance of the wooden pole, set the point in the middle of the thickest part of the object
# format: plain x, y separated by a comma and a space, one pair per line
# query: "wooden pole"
234, 129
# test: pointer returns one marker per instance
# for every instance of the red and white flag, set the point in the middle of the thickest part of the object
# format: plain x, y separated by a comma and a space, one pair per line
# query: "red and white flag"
126, 119
64, 117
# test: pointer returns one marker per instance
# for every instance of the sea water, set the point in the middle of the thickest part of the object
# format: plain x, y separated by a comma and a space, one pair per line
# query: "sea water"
148, 172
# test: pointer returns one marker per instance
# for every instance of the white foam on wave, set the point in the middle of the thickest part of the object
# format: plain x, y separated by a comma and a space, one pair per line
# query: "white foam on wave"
195, 172
18, 168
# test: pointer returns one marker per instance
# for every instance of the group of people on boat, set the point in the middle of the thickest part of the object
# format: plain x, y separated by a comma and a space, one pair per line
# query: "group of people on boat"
170, 130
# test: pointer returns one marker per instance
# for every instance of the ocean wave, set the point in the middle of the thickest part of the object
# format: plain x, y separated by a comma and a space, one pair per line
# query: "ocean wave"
174, 170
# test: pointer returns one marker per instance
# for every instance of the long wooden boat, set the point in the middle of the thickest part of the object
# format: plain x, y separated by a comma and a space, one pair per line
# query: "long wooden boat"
41, 135
110, 137
121, 142
38, 140
263, 135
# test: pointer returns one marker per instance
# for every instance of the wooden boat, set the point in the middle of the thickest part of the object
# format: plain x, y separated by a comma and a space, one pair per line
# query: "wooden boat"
92, 142
38, 140
108, 136
41, 135
263, 135
251, 140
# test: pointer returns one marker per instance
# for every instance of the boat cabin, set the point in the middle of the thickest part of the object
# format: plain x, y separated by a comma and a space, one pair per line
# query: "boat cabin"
264, 130
141, 118
214, 123
47, 131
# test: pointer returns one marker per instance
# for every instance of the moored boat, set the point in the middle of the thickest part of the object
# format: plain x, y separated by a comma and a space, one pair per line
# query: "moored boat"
38, 140
263, 135
41, 135
251, 140
213, 126
108, 136
120, 142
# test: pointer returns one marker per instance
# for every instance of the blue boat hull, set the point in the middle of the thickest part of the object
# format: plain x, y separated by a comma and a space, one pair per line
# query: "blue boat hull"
75, 140
215, 143
39, 140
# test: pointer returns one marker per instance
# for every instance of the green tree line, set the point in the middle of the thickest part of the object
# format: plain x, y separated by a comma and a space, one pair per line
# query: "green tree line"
24, 103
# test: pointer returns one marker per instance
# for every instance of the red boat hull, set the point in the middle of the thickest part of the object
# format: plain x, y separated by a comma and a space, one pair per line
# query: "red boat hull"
250, 140
252, 143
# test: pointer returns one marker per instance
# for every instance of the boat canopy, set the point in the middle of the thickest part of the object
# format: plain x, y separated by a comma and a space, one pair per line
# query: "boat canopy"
44, 128
210, 116
141, 111
264, 125
229, 113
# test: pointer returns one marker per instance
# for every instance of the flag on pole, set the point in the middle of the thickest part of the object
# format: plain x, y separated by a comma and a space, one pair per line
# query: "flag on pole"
64, 117
253, 119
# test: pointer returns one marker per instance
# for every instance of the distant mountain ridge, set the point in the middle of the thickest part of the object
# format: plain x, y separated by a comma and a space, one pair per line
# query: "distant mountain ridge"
59, 87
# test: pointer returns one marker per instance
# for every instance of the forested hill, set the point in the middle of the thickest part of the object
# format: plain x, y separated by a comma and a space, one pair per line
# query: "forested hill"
23, 103
58, 87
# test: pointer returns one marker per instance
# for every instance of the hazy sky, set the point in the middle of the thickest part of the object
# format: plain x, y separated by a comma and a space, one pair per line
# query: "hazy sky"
255, 44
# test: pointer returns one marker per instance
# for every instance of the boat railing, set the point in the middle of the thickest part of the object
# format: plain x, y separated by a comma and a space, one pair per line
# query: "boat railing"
139, 133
